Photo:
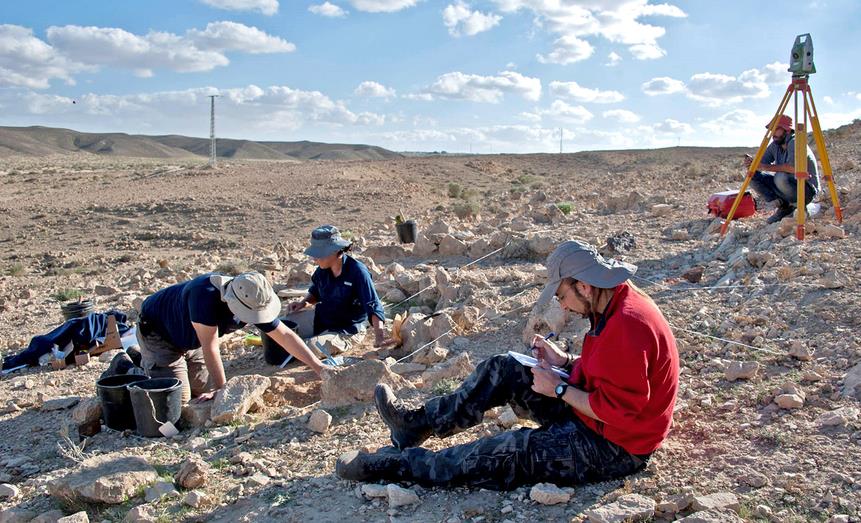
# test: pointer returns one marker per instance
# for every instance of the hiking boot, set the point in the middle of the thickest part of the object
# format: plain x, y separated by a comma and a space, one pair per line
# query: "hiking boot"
120, 365
385, 464
409, 427
780, 213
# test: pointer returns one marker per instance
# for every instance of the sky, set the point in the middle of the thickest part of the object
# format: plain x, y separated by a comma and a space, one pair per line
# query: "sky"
482, 76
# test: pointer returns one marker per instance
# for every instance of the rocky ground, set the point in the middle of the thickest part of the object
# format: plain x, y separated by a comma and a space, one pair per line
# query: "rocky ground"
766, 428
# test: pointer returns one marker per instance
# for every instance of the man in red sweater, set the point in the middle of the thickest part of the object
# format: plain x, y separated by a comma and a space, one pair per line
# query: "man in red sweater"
601, 423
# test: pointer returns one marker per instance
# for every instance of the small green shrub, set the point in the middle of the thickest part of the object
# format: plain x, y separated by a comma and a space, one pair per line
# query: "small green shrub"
16, 269
454, 190
565, 207
466, 210
68, 294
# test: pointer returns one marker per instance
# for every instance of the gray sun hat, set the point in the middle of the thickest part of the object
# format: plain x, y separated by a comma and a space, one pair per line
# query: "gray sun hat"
325, 241
581, 261
249, 296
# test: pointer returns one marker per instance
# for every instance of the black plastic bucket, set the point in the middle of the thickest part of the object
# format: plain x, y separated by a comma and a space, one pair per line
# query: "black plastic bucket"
155, 402
76, 309
116, 403
273, 353
407, 231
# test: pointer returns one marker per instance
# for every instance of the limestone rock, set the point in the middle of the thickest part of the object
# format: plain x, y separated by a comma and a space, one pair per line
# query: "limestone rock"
852, 383
196, 499
400, 497
8, 491
60, 403
458, 367
712, 516
52, 516
430, 355
385, 253
790, 396
146, 513
741, 370
441, 329
355, 383
424, 247
415, 332
507, 418
798, 351
451, 246
661, 209
372, 490
160, 489
834, 418
109, 478
105, 290
237, 398
548, 494
87, 410
320, 421
719, 500
551, 318
193, 473
16, 515
694, 274
630, 507
195, 415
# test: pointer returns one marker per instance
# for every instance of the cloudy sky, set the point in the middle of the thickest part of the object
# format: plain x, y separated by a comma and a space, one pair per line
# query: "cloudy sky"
482, 75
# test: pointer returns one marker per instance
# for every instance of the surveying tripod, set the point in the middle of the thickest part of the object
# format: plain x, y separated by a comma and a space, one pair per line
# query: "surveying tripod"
801, 66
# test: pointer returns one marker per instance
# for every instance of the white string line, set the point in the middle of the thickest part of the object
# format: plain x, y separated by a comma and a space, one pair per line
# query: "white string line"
456, 270
480, 317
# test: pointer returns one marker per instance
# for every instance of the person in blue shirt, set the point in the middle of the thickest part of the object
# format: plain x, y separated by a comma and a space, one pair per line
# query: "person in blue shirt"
180, 326
342, 293
780, 185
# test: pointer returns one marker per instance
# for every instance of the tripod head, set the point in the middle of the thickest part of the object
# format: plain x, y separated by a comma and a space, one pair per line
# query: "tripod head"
801, 57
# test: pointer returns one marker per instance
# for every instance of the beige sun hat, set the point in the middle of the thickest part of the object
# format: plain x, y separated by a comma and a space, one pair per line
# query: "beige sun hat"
249, 296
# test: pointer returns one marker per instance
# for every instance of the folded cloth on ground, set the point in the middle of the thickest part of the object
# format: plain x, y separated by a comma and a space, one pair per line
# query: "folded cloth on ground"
80, 332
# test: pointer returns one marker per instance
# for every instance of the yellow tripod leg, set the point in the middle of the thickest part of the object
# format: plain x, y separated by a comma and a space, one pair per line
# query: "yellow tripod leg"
758, 158
800, 166
823, 157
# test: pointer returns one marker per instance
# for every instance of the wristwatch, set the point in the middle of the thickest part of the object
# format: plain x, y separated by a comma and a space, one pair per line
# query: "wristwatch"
561, 389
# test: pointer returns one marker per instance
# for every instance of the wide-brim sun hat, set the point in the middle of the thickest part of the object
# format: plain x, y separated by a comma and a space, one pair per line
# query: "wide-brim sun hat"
249, 296
326, 240
581, 261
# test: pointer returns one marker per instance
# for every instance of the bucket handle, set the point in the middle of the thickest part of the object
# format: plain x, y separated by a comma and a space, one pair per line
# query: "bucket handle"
151, 404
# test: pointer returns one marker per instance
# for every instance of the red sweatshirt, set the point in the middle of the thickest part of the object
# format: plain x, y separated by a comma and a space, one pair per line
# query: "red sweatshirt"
630, 368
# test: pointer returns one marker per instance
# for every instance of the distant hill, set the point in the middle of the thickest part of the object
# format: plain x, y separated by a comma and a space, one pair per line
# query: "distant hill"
44, 141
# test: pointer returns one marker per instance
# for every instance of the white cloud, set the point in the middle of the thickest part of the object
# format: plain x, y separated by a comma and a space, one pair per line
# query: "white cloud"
613, 59
715, 89
382, 6
231, 36
567, 50
574, 91
27, 61
735, 121
828, 100
663, 85
719, 89
196, 51
621, 115
488, 89
327, 9
776, 73
251, 110
615, 21
576, 114
267, 7
671, 126
460, 20
374, 90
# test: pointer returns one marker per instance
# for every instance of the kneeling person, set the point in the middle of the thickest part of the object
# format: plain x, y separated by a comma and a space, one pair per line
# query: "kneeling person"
604, 422
343, 295
180, 326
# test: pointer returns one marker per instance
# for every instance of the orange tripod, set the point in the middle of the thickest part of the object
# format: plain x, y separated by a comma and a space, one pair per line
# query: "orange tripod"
798, 86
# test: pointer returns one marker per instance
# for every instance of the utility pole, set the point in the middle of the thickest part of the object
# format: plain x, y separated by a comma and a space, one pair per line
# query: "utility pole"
212, 151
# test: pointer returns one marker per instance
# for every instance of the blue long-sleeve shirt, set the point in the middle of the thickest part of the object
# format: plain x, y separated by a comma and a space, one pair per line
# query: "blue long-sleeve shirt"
345, 302
775, 155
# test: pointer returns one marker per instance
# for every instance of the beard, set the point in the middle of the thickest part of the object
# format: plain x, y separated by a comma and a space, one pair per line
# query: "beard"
781, 140
587, 305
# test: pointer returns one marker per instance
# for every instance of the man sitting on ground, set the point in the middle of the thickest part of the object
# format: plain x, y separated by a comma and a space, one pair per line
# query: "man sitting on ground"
780, 185
602, 423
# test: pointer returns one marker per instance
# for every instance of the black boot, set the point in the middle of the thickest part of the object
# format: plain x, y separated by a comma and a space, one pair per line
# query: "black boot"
409, 427
385, 464
782, 211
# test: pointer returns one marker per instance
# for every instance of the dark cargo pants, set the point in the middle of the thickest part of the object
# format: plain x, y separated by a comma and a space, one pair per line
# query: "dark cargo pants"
563, 450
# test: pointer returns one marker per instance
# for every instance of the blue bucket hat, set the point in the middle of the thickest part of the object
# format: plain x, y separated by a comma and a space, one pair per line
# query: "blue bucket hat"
325, 241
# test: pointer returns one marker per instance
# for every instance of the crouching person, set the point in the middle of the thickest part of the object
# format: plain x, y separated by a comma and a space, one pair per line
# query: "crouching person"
604, 422
343, 295
180, 326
